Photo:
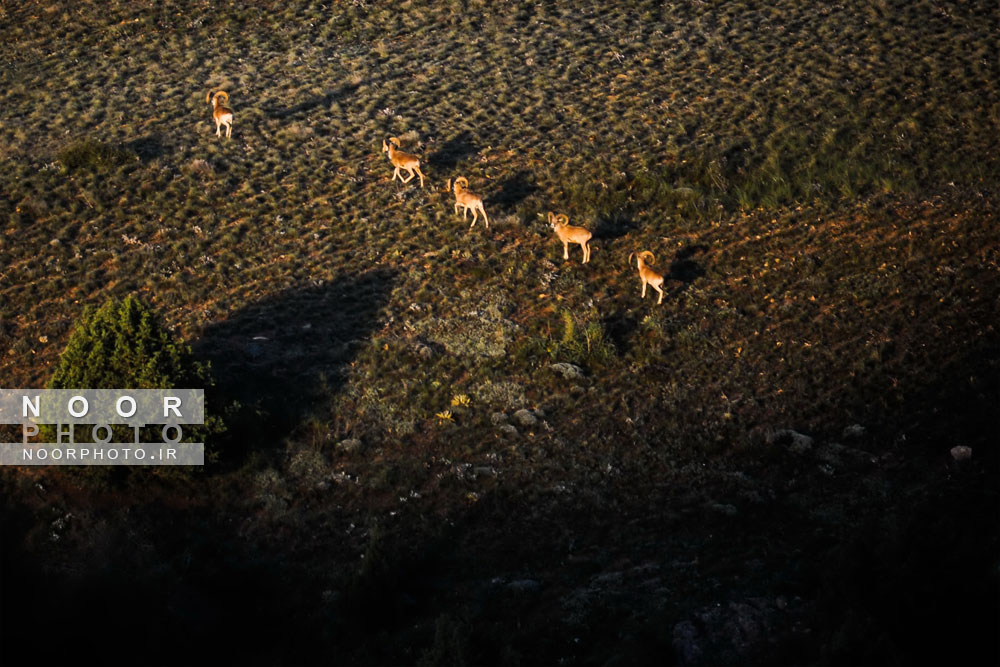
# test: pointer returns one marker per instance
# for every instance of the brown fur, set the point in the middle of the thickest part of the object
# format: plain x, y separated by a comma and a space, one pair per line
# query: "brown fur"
221, 113
469, 200
401, 160
647, 275
569, 234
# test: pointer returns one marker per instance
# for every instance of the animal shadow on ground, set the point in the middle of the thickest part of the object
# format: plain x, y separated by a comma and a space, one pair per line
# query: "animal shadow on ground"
611, 226
312, 103
513, 190
621, 328
146, 148
280, 356
453, 151
683, 268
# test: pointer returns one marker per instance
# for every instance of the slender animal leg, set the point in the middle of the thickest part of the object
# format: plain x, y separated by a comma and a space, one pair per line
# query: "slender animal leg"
229, 130
661, 293
643, 289
586, 252
408, 178
475, 216
421, 176
484, 217
396, 173
565, 251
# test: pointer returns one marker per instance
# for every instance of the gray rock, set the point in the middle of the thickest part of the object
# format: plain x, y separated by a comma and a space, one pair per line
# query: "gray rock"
498, 418
724, 509
568, 371
524, 586
686, 643
525, 417
797, 442
854, 431
832, 454
349, 445
961, 453
509, 430
740, 632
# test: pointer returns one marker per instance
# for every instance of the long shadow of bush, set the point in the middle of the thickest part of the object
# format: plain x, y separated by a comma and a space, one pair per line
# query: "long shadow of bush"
279, 356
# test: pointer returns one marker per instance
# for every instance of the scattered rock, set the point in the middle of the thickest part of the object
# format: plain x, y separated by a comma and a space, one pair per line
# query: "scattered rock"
524, 586
739, 632
577, 390
498, 418
723, 509
854, 431
525, 417
961, 453
509, 430
568, 371
686, 643
796, 442
463, 471
831, 454
349, 445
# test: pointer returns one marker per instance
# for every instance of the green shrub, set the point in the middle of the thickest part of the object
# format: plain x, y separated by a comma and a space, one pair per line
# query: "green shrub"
91, 154
123, 344
583, 340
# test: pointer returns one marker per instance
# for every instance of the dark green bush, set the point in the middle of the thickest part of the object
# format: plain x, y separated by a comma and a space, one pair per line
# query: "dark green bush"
91, 154
123, 344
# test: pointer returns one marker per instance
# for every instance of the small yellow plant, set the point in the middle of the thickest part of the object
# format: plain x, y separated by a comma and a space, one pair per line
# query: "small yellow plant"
445, 416
461, 400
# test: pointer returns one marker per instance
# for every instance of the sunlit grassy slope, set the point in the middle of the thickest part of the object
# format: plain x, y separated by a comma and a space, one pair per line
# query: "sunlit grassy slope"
817, 181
